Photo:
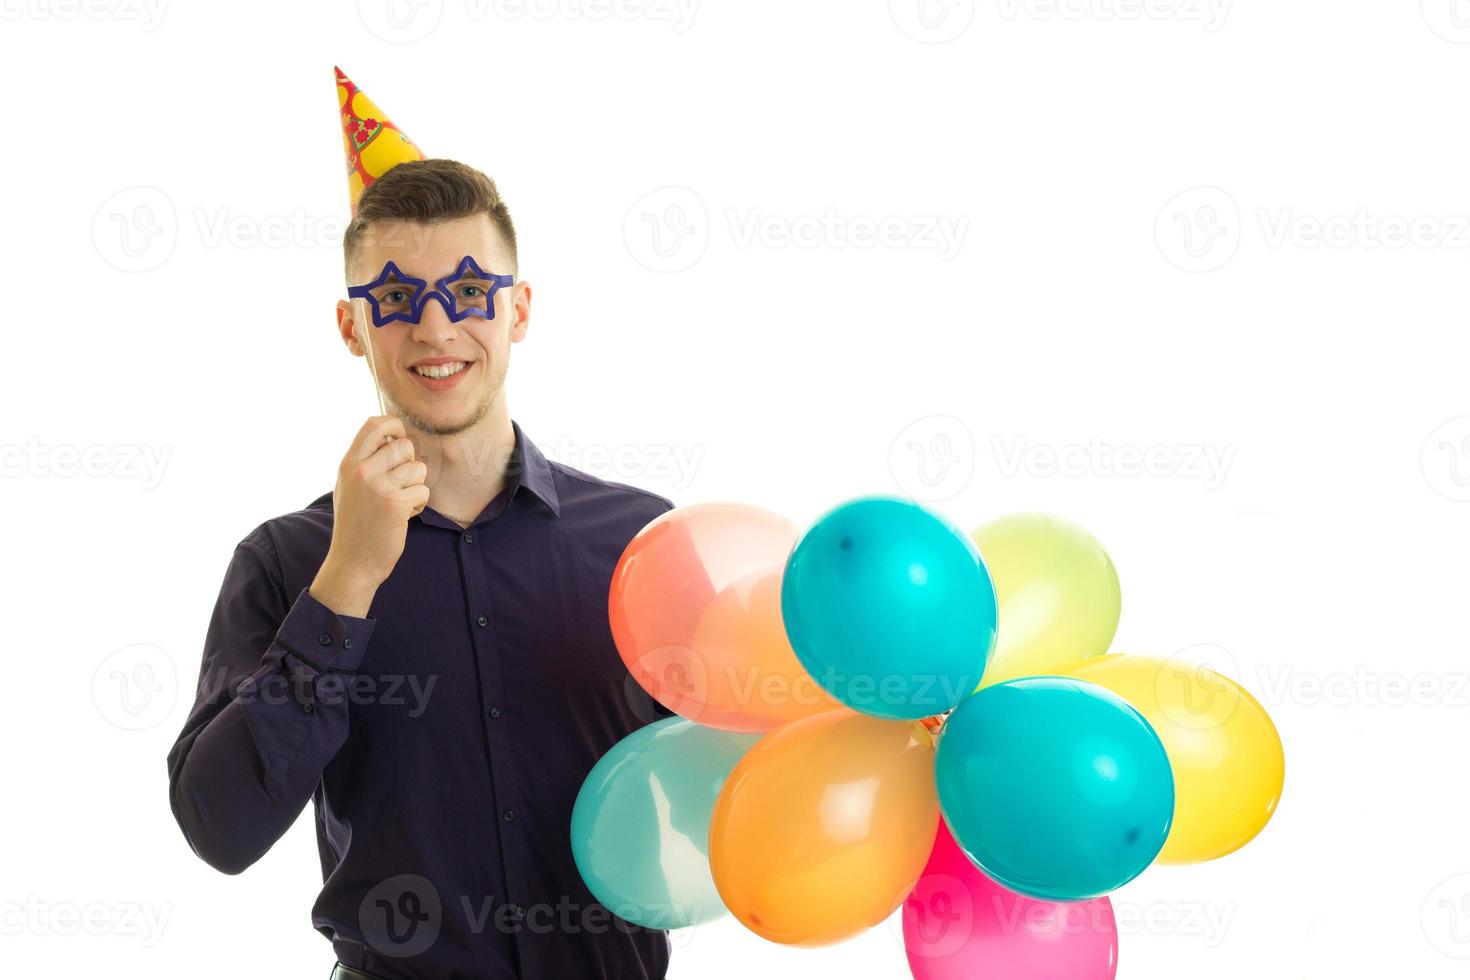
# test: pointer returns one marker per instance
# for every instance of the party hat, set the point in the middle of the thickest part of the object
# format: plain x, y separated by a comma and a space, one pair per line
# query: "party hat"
373, 144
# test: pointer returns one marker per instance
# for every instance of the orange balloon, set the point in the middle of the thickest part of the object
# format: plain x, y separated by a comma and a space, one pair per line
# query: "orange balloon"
824, 826
695, 608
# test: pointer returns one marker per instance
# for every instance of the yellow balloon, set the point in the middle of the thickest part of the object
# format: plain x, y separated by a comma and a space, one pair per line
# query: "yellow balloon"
1056, 591
824, 826
1225, 752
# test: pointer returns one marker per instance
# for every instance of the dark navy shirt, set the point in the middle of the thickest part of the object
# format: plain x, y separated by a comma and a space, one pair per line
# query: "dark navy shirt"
441, 740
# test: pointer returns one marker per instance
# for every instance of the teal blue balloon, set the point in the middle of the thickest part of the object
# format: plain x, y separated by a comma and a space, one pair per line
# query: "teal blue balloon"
640, 826
889, 608
1056, 788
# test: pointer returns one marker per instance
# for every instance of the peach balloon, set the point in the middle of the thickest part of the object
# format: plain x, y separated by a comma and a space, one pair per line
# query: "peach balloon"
824, 826
695, 609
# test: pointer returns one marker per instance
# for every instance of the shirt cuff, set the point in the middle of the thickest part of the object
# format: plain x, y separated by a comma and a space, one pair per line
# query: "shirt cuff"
323, 639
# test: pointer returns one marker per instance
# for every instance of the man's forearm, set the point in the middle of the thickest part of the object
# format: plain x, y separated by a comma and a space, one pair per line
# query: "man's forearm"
264, 723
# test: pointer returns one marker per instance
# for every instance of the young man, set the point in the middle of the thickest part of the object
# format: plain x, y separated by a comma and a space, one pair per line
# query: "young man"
424, 653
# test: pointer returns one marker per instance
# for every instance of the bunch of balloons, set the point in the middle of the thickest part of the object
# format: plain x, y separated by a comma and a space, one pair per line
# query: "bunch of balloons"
886, 712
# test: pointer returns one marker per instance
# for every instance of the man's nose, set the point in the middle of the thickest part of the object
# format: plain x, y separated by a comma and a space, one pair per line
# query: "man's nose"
434, 326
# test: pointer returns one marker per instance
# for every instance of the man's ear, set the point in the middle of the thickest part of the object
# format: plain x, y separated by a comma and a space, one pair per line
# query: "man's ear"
520, 312
347, 327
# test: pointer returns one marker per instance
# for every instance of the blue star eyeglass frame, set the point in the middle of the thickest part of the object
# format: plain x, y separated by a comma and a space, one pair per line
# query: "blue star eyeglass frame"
468, 268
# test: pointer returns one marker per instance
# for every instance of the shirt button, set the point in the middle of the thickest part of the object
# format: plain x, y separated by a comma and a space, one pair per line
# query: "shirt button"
495, 712
509, 815
325, 639
347, 643
306, 707
469, 539
517, 911
483, 621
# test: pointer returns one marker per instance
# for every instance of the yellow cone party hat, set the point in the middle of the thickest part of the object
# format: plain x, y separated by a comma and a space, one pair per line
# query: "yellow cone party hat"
373, 144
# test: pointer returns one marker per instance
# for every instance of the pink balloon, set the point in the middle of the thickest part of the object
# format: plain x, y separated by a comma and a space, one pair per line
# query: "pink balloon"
958, 924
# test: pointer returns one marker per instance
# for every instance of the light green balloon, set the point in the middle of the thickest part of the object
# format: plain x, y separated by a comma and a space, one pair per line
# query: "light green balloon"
640, 826
1057, 592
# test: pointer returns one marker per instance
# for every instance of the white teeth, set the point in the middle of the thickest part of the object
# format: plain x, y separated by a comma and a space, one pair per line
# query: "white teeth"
442, 370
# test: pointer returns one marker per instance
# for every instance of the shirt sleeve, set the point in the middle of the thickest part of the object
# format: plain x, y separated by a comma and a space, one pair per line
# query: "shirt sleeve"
268, 715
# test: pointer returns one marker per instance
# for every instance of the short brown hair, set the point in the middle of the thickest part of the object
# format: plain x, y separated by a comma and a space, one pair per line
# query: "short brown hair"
428, 191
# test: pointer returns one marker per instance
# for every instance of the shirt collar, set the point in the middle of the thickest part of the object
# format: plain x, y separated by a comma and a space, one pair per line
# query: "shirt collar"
531, 470
526, 468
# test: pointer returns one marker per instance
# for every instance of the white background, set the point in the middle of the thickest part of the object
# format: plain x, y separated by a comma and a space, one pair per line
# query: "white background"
1231, 239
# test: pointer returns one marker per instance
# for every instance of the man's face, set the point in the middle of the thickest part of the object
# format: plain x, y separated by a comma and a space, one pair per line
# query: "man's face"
440, 375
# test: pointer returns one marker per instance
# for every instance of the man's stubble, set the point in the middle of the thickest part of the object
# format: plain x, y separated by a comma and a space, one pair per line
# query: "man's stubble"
474, 416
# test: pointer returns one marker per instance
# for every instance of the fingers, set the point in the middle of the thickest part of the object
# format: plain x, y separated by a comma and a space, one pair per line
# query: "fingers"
375, 467
385, 460
408, 473
389, 457
376, 432
381, 470
416, 495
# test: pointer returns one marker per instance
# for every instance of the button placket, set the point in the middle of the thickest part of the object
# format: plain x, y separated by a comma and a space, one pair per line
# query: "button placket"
502, 765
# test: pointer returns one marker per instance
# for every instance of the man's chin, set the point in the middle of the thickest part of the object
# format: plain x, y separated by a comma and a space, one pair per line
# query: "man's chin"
442, 421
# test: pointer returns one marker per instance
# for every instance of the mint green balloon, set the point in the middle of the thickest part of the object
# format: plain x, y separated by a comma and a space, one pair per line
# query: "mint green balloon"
640, 826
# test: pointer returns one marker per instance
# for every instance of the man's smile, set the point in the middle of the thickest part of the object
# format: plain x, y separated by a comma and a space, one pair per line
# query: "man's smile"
440, 373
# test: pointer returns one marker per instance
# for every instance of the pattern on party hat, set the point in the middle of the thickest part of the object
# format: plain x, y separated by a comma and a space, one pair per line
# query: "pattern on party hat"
374, 145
